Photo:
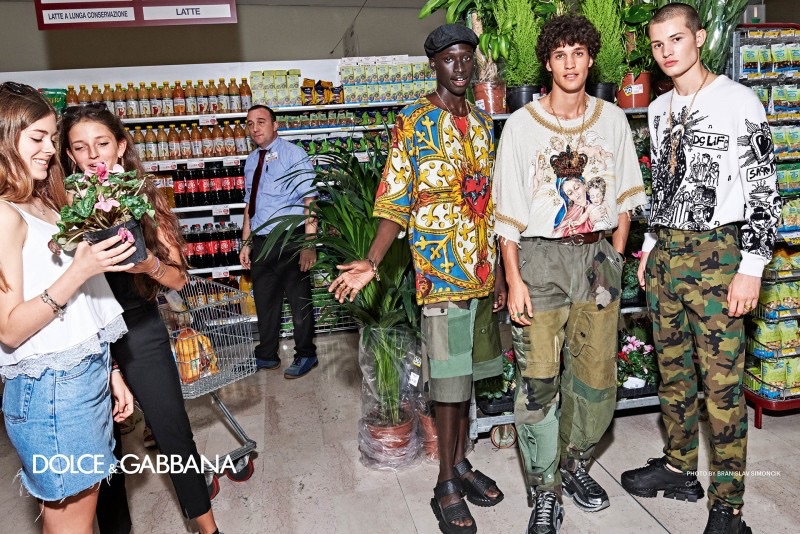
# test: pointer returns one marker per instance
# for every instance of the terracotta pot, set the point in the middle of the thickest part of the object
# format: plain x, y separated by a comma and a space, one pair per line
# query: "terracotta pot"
430, 439
634, 93
391, 437
490, 97
134, 228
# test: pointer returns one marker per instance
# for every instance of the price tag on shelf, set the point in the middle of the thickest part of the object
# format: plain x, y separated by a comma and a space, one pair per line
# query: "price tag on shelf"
230, 161
150, 166
208, 120
220, 272
221, 209
195, 164
167, 165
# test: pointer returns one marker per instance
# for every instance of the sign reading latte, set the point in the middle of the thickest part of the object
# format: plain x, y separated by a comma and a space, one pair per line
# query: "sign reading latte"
68, 14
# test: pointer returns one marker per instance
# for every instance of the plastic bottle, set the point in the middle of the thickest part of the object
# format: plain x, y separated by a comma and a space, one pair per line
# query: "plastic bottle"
179, 192
212, 245
229, 142
188, 246
72, 96
217, 259
131, 102
156, 102
234, 97
179, 99
108, 97
201, 247
191, 188
151, 145
219, 140
203, 188
139, 144
223, 97
144, 100
119, 100
238, 186
167, 101
186, 142
197, 142
239, 138
226, 245
163, 143
201, 93
225, 186
174, 142
246, 95
95, 96
165, 185
213, 98
191, 98
208, 142
246, 285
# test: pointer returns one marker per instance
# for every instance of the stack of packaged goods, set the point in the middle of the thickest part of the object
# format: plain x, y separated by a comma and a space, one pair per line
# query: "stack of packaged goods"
384, 79
276, 88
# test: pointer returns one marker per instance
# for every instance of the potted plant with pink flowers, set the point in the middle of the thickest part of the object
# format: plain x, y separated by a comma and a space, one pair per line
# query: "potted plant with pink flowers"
636, 362
104, 203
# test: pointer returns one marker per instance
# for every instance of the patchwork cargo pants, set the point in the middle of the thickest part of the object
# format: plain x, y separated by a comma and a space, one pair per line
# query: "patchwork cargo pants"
688, 275
575, 292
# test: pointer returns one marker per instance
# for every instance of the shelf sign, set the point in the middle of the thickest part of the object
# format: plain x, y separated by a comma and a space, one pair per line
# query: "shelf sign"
221, 209
150, 166
195, 164
53, 15
207, 120
221, 272
230, 161
167, 166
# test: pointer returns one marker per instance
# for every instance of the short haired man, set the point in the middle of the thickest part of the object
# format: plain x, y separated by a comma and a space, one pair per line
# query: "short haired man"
563, 276
714, 187
436, 186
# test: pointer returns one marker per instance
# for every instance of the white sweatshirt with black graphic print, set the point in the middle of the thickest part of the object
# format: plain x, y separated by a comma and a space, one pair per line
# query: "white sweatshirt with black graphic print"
724, 168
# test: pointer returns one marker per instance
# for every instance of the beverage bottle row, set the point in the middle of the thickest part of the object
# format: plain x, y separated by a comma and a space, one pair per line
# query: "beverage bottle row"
212, 245
208, 187
166, 101
221, 295
196, 142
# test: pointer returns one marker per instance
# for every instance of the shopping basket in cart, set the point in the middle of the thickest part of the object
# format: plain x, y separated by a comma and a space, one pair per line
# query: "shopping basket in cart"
213, 347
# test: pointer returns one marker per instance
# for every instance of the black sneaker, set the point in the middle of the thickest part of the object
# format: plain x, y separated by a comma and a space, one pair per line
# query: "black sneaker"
647, 481
722, 520
547, 516
588, 495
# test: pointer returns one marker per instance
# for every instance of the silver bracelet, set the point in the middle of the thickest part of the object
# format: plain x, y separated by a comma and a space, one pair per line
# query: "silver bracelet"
57, 308
374, 270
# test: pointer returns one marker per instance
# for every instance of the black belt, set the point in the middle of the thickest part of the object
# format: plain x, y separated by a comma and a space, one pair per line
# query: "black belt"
575, 239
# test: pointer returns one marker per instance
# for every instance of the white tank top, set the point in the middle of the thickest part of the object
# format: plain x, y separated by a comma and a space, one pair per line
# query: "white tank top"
92, 315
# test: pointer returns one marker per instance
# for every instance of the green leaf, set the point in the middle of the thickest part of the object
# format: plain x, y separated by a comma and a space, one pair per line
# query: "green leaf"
430, 7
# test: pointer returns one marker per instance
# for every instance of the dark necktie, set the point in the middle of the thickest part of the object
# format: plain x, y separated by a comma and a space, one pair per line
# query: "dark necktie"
251, 207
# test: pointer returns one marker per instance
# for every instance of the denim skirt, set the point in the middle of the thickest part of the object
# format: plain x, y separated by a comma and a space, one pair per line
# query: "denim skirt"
61, 426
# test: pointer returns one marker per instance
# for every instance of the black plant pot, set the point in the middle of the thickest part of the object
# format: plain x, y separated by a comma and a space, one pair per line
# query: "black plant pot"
494, 406
517, 97
134, 228
604, 91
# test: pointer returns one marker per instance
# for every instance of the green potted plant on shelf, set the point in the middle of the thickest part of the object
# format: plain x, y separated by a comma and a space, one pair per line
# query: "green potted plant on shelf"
636, 360
634, 88
385, 309
609, 65
496, 394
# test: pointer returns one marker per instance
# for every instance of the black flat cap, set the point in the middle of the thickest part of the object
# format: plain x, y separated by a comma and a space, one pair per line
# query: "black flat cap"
447, 35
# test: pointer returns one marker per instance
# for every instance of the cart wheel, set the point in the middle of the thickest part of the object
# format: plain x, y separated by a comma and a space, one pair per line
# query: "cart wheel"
213, 487
242, 470
504, 436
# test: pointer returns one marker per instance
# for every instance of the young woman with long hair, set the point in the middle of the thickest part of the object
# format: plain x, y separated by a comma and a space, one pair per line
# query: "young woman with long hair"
91, 136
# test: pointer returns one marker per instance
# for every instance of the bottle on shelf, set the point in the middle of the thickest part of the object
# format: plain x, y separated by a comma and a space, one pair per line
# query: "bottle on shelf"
219, 140
226, 245
179, 192
163, 143
201, 93
72, 96
213, 245
238, 186
214, 185
179, 99
200, 250
131, 102
150, 144
119, 100
236, 241
108, 97
139, 144
223, 97
203, 188
234, 96
188, 246
174, 142
83, 95
156, 102
95, 96
192, 179
197, 142
186, 142
226, 187
165, 184
144, 100
191, 98
228, 139
239, 138
208, 141
213, 97
246, 95
167, 101
246, 286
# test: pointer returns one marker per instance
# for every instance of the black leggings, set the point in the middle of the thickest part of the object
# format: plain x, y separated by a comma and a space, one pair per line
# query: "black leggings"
145, 359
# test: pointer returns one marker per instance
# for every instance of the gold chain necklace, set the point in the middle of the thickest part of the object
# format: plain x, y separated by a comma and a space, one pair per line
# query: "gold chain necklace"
563, 132
448, 107
674, 139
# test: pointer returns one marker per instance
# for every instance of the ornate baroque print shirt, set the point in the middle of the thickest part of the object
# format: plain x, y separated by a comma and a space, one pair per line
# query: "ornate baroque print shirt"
436, 184
724, 168
554, 179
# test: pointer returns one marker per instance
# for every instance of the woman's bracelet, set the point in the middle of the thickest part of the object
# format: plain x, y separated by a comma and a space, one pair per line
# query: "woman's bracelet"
374, 270
152, 271
57, 308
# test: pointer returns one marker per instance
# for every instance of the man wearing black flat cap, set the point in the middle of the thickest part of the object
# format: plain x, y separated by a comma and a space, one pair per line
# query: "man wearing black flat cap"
436, 187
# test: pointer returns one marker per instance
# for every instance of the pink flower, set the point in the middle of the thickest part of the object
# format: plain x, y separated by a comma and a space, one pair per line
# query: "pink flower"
105, 205
638, 255
101, 173
117, 168
648, 348
125, 235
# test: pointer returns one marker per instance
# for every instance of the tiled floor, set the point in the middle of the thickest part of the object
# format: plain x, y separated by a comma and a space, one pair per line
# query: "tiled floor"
308, 478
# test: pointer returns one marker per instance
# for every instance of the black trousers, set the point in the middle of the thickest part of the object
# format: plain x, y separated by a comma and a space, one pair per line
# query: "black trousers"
145, 359
276, 275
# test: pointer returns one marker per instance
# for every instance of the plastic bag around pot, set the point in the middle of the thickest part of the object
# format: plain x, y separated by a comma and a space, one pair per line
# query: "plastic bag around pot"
390, 367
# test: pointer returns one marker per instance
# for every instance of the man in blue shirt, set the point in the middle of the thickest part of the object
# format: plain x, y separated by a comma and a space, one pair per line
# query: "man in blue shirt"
278, 181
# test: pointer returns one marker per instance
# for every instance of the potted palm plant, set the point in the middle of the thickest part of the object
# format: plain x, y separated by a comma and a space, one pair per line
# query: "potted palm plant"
385, 309
634, 90
609, 66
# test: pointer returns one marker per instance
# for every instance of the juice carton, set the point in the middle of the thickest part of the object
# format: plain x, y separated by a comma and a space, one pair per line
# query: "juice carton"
256, 80
406, 72
346, 75
371, 73
383, 72
360, 74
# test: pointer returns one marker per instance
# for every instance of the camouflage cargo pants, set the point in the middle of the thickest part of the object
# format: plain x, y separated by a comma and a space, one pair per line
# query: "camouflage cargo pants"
688, 274
558, 414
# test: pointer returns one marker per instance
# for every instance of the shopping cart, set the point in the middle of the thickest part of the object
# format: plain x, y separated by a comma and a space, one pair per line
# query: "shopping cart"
213, 347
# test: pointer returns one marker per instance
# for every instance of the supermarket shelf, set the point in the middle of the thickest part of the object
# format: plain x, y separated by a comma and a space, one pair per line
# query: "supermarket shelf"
172, 164
771, 275
635, 111
333, 129
763, 352
216, 272
637, 402
782, 403
775, 315
484, 423
214, 207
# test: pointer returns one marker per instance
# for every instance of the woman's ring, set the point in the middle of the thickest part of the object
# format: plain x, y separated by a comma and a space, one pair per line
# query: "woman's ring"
519, 314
